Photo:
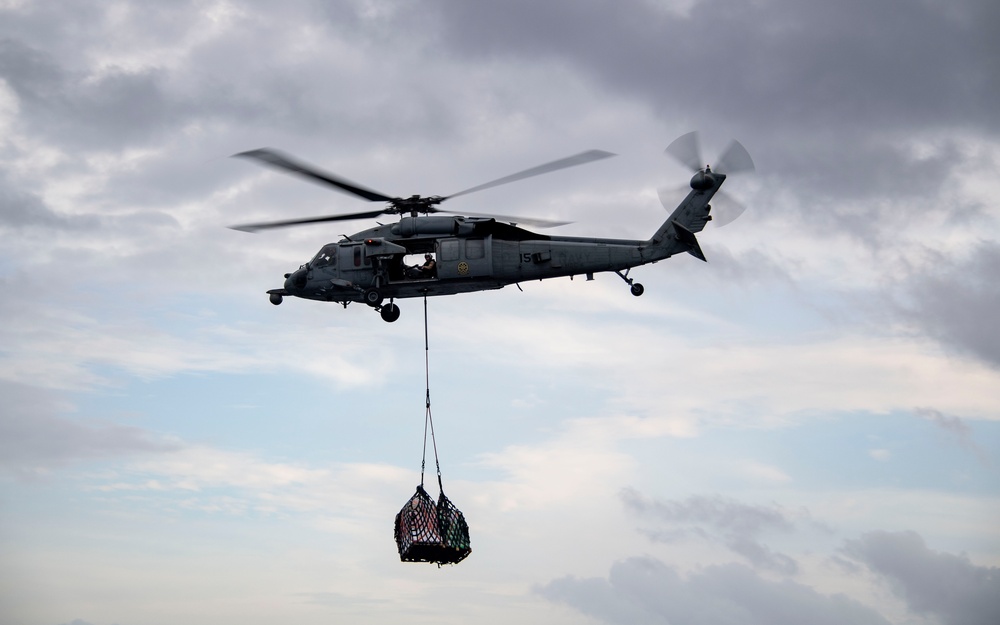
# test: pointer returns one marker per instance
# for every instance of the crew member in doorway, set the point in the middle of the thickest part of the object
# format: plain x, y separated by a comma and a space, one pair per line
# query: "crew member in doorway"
422, 271
427, 269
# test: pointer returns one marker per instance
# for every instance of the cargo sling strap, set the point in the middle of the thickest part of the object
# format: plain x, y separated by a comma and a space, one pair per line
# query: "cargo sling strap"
428, 419
426, 532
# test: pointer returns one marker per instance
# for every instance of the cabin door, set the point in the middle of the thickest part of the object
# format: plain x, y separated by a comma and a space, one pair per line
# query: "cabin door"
464, 258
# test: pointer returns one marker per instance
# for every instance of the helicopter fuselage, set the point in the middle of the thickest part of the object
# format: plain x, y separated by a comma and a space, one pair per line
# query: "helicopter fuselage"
479, 253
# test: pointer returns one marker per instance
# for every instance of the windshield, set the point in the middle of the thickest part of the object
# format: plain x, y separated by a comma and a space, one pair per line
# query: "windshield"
325, 257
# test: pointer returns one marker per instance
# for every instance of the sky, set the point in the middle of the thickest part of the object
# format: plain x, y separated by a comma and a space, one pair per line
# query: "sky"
804, 429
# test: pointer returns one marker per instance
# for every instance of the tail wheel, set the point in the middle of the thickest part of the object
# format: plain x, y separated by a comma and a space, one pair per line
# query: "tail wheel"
637, 289
373, 297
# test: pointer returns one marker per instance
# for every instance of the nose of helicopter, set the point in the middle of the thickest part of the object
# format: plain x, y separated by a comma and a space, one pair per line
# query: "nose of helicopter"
296, 279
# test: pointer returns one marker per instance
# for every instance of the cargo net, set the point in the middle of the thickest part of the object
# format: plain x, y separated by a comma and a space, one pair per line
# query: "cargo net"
426, 532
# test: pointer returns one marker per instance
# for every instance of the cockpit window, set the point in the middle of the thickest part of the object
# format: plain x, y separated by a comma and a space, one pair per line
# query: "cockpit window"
327, 257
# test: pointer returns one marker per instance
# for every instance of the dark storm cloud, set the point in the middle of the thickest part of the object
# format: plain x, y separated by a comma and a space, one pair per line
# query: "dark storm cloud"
88, 109
645, 590
77, 109
776, 62
35, 438
957, 302
196, 105
735, 524
826, 94
932, 582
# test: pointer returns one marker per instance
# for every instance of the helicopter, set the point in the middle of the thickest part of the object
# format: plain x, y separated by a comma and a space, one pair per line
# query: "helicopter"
476, 252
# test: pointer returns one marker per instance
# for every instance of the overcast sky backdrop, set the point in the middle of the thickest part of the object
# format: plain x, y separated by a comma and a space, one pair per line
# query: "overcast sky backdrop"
806, 429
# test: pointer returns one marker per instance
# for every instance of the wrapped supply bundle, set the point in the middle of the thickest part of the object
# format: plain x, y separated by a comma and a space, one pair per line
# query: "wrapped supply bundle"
426, 532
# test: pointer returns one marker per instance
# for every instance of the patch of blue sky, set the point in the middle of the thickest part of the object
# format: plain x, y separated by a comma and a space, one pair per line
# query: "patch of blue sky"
841, 452
305, 418
156, 523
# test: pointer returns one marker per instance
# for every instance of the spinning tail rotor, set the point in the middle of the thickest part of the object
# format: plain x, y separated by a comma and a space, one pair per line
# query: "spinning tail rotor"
735, 159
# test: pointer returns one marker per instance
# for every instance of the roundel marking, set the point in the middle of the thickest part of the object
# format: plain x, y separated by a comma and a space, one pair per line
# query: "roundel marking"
463, 267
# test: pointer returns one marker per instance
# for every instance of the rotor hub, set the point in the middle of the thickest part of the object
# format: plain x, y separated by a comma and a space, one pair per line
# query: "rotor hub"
414, 205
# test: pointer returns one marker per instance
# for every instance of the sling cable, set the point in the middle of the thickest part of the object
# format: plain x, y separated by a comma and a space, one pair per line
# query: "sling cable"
425, 531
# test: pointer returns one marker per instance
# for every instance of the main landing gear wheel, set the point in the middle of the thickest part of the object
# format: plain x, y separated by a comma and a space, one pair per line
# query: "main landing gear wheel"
276, 299
389, 313
373, 297
637, 289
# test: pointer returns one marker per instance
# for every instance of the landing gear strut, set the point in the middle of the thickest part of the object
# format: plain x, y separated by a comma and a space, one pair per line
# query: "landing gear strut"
636, 288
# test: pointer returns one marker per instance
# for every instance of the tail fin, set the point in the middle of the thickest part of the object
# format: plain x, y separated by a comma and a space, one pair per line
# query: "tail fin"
676, 235
686, 238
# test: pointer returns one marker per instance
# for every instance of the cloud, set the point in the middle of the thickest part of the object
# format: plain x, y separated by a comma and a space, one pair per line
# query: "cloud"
110, 110
777, 60
211, 480
724, 514
35, 438
560, 471
881, 455
735, 524
20, 210
956, 428
955, 301
932, 582
932, 585
646, 590
53, 344
828, 104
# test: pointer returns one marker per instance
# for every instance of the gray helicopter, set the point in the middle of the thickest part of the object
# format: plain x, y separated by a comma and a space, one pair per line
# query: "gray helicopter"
476, 252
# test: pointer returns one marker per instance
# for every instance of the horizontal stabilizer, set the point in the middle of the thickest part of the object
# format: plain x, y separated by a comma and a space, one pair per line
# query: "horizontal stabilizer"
687, 238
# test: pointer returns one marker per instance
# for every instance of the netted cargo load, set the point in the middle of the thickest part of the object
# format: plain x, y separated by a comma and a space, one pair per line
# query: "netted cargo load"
426, 532
454, 530
417, 535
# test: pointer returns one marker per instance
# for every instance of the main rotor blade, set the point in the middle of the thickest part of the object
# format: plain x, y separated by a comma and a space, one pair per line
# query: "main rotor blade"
563, 163
279, 160
308, 220
734, 160
687, 150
